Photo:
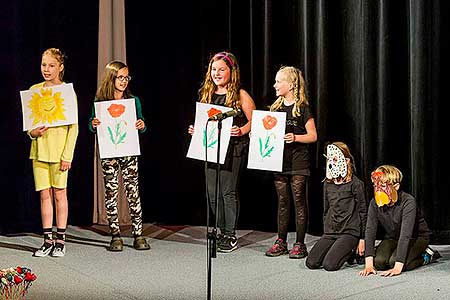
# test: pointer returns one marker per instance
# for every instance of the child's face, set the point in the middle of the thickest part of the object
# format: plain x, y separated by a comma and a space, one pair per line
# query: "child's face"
282, 86
122, 79
220, 73
50, 68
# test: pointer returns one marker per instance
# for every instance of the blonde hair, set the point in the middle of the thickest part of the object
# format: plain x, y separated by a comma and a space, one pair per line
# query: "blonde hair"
208, 86
59, 56
350, 161
295, 77
107, 88
391, 174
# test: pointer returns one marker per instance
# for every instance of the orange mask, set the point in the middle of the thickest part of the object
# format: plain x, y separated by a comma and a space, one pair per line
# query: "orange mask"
384, 193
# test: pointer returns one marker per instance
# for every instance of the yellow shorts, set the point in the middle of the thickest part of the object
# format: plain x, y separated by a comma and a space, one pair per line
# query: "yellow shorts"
47, 175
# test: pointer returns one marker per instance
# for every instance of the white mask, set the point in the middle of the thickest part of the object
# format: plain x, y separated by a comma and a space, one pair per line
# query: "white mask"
336, 163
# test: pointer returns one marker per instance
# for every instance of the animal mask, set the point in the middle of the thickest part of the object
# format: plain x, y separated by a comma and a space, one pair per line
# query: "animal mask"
385, 193
336, 163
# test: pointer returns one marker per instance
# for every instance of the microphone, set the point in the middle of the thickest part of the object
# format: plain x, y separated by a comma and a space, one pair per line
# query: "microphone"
222, 116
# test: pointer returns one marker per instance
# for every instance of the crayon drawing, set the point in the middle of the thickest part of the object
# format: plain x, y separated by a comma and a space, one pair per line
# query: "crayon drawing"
49, 106
117, 134
205, 140
267, 140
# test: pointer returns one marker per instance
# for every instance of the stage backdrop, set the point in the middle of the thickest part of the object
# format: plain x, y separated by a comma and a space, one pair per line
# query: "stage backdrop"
374, 71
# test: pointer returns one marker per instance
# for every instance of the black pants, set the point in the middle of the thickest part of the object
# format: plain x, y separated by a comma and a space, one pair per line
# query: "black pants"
386, 254
295, 185
331, 251
228, 199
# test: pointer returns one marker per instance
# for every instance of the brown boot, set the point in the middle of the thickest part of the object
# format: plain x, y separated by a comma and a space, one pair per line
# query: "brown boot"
116, 244
140, 243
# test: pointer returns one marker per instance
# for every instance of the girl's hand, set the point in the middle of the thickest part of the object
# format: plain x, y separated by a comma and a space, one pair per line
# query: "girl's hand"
360, 249
367, 271
37, 132
65, 165
236, 131
191, 129
289, 138
140, 124
95, 122
396, 270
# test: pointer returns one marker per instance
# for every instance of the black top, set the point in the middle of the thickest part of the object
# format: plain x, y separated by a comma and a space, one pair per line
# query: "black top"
345, 208
296, 155
402, 221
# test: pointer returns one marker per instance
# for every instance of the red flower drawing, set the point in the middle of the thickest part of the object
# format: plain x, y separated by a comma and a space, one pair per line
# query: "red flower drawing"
213, 112
116, 110
269, 122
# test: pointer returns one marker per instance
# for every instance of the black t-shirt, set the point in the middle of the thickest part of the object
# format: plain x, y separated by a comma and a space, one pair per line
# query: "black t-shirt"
296, 155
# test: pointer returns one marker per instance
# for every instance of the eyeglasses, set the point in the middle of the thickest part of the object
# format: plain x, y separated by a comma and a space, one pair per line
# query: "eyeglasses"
124, 78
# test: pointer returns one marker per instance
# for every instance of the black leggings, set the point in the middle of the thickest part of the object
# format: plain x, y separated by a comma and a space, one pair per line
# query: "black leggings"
285, 184
386, 254
331, 251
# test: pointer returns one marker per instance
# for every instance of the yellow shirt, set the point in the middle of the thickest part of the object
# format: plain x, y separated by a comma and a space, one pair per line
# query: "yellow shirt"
56, 144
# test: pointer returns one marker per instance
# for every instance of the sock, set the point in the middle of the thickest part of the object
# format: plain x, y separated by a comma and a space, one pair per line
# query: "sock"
61, 236
48, 235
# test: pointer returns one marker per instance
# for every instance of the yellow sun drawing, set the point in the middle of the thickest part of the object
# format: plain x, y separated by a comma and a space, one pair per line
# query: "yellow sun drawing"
46, 107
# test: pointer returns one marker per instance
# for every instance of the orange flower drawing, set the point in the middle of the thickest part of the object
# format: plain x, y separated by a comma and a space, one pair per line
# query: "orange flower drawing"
116, 110
269, 122
213, 112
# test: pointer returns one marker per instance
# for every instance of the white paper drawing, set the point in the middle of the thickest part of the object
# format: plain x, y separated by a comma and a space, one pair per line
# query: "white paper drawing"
267, 140
117, 134
205, 141
49, 106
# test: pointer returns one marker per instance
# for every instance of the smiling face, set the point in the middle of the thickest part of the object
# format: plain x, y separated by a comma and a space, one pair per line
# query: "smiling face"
220, 73
282, 86
51, 69
121, 81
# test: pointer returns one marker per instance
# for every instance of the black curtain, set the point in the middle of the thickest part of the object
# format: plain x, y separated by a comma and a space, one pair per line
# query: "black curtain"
373, 70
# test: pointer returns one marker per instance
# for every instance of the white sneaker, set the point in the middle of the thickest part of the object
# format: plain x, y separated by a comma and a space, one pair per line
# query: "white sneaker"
59, 250
45, 250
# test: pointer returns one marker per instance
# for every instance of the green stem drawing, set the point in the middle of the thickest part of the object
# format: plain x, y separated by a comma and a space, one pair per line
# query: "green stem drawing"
115, 134
210, 138
266, 147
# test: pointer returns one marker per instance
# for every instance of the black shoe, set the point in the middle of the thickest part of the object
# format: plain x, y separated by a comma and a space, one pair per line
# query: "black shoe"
228, 244
430, 255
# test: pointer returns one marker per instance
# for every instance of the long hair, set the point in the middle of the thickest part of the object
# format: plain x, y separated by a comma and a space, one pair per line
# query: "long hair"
106, 89
208, 86
349, 159
295, 77
59, 56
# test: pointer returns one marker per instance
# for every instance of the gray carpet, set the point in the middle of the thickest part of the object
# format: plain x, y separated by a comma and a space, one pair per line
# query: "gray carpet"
176, 268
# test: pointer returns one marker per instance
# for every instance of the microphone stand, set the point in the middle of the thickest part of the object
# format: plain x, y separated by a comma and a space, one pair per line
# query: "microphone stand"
212, 232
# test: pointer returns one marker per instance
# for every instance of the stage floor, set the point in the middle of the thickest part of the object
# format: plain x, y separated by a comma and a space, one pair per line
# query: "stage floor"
176, 268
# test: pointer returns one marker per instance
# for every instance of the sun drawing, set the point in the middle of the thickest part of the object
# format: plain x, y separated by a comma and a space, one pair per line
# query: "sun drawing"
46, 107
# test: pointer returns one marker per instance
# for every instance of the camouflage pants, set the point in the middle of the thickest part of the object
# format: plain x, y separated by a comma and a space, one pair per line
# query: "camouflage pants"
129, 167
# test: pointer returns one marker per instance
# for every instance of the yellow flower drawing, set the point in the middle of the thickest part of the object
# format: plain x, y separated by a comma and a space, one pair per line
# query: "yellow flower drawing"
46, 107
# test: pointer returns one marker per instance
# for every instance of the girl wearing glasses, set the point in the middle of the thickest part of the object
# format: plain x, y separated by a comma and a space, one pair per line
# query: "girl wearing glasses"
114, 86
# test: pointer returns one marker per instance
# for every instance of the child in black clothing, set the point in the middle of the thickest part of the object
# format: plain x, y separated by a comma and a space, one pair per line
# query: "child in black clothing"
344, 214
405, 245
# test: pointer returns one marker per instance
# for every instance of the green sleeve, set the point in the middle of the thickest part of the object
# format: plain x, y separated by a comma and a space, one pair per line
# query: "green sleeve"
92, 129
139, 115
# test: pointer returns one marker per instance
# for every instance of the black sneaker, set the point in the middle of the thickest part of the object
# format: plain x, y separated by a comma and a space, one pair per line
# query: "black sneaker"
45, 250
430, 255
228, 244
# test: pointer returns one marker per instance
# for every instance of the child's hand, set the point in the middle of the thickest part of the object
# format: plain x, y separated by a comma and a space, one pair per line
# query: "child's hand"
140, 124
95, 122
65, 165
367, 271
191, 129
39, 131
289, 138
236, 131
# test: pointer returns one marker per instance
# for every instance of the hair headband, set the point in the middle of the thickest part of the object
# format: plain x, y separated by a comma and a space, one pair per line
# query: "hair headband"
225, 56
